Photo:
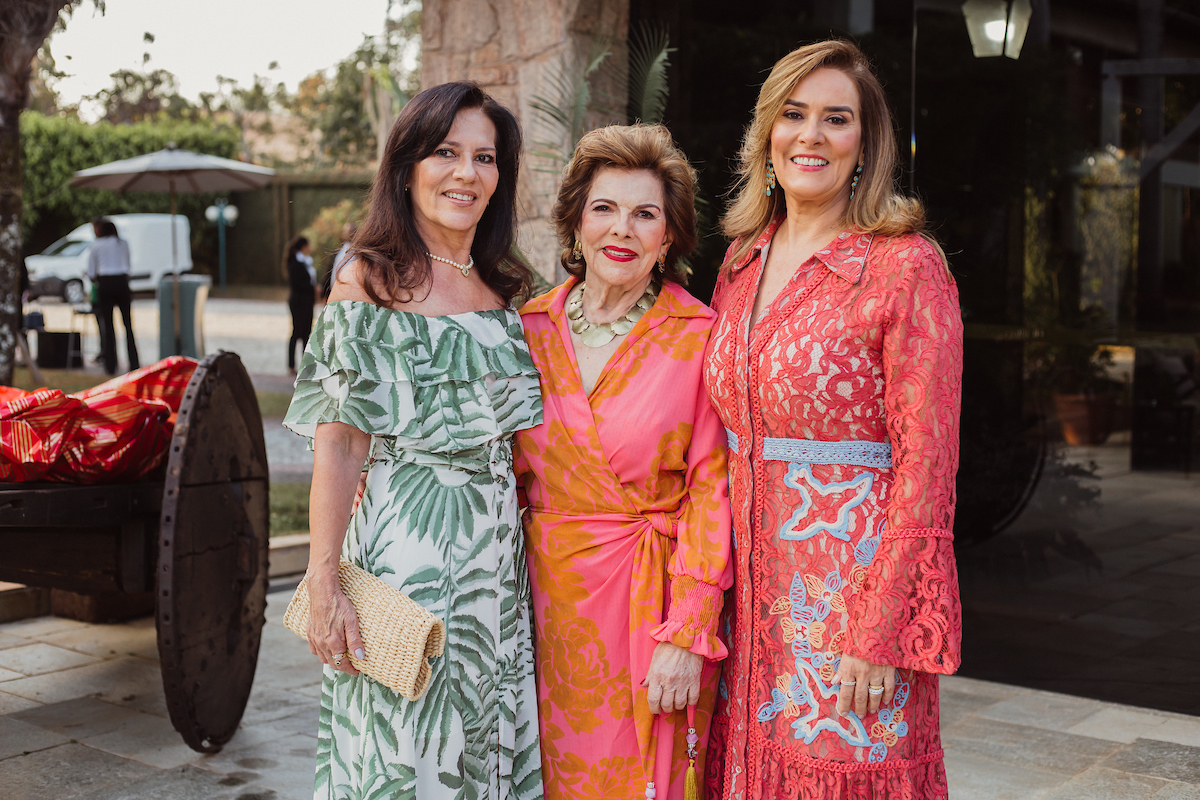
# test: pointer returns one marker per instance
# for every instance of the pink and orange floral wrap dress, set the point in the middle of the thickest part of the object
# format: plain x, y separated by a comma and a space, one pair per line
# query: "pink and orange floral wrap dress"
841, 406
628, 536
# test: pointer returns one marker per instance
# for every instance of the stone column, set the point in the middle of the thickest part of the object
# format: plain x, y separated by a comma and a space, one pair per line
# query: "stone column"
510, 47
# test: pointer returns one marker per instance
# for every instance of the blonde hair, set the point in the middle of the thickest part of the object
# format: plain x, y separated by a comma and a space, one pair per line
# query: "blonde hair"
647, 147
876, 207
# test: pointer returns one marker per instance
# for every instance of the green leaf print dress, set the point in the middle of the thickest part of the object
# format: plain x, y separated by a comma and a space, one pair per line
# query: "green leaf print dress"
441, 398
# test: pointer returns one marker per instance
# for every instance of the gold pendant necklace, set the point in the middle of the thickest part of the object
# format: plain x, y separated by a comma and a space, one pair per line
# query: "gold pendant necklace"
593, 335
463, 268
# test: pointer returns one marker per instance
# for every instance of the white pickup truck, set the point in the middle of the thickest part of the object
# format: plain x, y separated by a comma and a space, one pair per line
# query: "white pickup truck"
61, 269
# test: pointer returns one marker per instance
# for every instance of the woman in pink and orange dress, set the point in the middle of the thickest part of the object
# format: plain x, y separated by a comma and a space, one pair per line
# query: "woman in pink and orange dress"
835, 366
628, 521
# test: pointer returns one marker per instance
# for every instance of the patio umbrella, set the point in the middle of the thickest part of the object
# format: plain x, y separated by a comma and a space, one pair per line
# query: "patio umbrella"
174, 170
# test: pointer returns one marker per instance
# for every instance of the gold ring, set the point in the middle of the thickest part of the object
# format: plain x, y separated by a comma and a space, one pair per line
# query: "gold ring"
337, 659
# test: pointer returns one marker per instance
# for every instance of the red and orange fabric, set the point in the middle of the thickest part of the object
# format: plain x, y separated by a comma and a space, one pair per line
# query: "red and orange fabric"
627, 532
112, 433
861, 350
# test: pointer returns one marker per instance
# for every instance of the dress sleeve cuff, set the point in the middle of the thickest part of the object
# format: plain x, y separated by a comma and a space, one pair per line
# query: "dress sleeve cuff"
907, 613
694, 617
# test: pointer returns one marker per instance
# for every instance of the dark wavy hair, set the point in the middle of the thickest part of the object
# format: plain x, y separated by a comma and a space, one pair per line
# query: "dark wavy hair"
388, 244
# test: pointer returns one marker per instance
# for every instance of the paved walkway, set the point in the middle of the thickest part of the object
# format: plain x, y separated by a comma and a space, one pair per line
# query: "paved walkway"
82, 717
257, 330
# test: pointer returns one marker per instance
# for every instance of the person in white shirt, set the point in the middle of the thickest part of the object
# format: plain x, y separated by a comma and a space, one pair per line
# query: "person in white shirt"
108, 269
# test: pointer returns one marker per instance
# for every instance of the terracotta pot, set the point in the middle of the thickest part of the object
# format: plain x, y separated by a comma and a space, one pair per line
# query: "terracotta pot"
1085, 419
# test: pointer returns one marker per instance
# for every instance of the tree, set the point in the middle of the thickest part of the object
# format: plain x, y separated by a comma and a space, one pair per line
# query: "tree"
352, 106
43, 96
24, 26
142, 95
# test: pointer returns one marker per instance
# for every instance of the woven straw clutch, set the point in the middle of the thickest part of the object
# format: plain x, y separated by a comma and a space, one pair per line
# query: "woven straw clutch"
398, 633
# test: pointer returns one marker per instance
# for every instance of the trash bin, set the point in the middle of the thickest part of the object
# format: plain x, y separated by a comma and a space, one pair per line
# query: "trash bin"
59, 349
193, 294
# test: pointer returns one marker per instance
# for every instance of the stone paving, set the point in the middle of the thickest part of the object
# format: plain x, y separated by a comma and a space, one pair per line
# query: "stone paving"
82, 717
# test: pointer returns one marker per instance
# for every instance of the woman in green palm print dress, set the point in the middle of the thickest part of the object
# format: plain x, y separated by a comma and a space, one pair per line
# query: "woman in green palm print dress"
419, 363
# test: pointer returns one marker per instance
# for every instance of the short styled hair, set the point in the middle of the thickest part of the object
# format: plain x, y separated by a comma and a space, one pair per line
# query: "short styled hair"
647, 147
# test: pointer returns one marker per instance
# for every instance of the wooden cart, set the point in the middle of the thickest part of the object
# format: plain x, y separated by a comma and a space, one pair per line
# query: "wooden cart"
196, 536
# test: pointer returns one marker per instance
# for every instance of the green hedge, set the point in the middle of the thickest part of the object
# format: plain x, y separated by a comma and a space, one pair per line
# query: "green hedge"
53, 148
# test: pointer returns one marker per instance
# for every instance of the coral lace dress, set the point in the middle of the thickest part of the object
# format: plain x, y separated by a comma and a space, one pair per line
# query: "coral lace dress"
841, 406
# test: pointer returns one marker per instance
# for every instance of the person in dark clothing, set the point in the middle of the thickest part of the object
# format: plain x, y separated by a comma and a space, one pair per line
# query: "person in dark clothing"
108, 269
302, 294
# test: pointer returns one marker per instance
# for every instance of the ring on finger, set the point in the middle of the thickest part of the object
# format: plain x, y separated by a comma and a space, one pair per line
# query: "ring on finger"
337, 659
874, 691
849, 683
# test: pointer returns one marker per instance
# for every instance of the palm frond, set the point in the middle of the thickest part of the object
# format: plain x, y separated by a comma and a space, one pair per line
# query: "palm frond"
561, 112
649, 57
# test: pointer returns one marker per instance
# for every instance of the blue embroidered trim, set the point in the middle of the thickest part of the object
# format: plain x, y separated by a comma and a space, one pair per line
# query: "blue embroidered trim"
853, 492
877, 455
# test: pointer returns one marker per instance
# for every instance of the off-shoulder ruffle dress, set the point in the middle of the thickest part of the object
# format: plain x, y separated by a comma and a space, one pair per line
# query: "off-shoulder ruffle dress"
441, 398
841, 404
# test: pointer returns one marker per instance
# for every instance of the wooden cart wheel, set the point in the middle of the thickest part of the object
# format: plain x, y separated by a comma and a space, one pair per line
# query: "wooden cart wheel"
212, 554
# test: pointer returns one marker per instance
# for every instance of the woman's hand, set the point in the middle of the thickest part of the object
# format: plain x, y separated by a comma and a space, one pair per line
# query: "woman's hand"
340, 453
673, 680
332, 624
858, 678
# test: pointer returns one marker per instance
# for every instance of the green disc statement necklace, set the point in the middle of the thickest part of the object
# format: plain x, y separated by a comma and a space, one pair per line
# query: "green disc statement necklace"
593, 335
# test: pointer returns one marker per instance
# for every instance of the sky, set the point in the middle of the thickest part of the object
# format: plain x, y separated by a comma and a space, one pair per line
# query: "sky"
197, 41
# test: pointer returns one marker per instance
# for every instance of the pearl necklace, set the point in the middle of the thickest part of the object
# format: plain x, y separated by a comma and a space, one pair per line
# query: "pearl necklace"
593, 335
463, 268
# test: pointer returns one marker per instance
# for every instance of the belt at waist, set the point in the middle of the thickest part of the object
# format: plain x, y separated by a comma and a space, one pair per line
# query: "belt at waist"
877, 455
495, 457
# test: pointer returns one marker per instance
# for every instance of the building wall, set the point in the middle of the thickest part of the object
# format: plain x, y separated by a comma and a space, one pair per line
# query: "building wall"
511, 47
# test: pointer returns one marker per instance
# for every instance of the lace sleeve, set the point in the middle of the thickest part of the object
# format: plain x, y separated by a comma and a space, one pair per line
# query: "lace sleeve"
701, 568
908, 613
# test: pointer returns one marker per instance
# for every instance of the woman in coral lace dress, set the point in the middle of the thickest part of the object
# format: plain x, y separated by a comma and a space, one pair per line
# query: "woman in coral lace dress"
836, 367
628, 523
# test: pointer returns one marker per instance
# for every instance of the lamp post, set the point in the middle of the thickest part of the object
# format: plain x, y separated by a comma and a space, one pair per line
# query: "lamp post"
221, 214
997, 27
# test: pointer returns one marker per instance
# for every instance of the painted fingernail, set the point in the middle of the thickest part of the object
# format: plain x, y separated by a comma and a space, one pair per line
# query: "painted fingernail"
360, 654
